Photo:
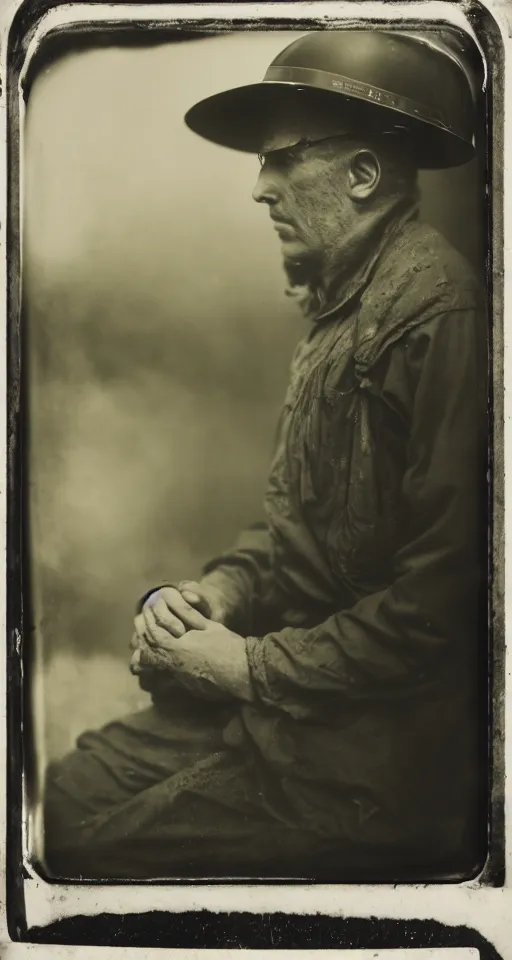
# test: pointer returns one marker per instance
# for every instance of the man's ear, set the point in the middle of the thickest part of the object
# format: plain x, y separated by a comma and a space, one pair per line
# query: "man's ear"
364, 175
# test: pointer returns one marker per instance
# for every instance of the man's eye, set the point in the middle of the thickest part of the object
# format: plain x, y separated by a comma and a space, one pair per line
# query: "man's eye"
282, 159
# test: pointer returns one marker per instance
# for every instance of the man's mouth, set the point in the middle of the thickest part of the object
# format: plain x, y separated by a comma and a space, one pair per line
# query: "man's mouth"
283, 227
276, 219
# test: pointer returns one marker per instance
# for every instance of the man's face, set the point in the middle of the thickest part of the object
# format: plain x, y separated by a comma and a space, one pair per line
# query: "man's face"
304, 189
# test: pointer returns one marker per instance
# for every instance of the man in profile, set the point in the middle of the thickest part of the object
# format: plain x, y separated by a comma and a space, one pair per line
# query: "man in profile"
315, 700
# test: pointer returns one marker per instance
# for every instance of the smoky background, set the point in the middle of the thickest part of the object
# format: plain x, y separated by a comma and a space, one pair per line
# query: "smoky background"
158, 340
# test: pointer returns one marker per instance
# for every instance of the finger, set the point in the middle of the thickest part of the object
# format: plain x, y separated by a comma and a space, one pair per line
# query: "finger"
152, 631
141, 663
166, 619
190, 591
194, 593
140, 626
169, 609
201, 604
195, 604
158, 636
181, 608
137, 642
191, 597
171, 596
147, 661
135, 665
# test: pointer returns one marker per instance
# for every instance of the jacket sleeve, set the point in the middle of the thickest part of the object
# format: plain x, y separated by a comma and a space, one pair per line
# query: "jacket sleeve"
407, 634
243, 573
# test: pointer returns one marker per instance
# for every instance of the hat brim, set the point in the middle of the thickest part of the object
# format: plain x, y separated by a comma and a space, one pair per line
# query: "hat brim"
241, 119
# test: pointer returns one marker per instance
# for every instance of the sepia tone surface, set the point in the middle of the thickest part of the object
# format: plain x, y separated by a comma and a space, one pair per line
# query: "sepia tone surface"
159, 348
159, 345
160, 339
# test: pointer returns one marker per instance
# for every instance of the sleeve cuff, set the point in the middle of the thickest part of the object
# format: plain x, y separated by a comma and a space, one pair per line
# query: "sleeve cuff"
258, 650
255, 650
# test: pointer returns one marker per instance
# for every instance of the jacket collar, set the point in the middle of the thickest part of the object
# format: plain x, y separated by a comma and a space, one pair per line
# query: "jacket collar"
375, 243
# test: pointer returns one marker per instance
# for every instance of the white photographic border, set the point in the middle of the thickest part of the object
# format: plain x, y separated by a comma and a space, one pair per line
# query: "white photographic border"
475, 904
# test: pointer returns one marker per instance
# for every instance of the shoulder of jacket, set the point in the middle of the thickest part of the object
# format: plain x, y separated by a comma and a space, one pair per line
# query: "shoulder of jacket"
420, 277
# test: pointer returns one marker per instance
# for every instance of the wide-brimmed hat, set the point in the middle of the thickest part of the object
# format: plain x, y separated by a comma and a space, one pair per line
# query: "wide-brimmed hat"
421, 85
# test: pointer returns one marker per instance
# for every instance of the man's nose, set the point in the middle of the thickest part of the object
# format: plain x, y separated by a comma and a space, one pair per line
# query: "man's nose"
265, 189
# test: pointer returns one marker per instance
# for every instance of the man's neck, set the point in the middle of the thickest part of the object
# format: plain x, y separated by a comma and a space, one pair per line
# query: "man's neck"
338, 277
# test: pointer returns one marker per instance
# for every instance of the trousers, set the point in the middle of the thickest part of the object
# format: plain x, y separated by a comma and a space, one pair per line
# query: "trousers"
170, 793
161, 794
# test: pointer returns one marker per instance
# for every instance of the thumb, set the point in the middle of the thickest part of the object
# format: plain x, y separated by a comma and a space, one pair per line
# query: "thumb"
193, 593
145, 659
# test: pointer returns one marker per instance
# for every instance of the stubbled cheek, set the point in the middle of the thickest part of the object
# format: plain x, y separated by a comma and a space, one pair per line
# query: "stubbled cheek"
322, 215
305, 211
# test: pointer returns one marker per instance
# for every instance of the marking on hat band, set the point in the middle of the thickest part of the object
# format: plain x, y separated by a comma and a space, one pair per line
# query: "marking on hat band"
356, 88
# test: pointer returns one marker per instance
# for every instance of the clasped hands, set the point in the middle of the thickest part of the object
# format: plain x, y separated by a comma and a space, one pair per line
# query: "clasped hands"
181, 630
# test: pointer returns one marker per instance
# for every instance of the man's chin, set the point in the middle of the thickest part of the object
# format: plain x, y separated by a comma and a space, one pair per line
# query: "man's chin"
301, 268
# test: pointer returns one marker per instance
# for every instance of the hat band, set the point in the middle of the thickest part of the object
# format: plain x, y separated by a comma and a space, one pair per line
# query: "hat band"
355, 88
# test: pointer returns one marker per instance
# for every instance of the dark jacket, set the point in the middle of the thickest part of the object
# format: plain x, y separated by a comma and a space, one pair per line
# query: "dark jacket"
368, 576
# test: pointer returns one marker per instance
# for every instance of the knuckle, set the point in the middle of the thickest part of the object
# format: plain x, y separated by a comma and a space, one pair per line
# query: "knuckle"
151, 600
186, 584
152, 630
168, 594
160, 615
180, 605
149, 617
176, 627
185, 607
